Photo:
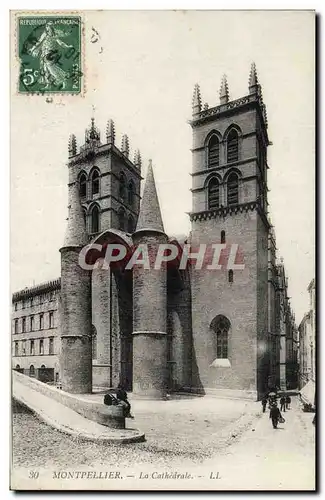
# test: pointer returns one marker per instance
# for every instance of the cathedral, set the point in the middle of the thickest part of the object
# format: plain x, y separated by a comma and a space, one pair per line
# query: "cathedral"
173, 329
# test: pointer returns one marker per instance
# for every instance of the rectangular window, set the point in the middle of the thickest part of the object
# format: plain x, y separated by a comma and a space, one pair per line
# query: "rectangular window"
51, 345
41, 321
23, 304
31, 302
32, 347
24, 347
32, 323
16, 348
41, 346
23, 325
51, 319
16, 326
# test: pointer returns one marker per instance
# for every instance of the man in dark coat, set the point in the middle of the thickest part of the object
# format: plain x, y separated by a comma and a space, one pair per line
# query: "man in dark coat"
275, 415
283, 403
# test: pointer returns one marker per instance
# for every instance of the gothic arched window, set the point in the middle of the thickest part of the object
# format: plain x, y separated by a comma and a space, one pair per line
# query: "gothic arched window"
213, 194
95, 219
32, 371
213, 152
82, 185
220, 325
122, 186
131, 193
223, 237
95, 182
231, 276
121, 219
130, 224
232, 146
232, 189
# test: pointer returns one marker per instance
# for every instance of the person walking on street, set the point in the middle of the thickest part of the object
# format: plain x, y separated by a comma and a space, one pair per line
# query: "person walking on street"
283, 403
264, 403
275, 415
288, 401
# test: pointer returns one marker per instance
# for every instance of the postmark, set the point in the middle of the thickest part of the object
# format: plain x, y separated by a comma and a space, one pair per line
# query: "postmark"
50, 54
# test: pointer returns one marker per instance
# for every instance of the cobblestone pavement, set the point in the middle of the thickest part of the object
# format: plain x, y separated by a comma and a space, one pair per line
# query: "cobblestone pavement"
189, 430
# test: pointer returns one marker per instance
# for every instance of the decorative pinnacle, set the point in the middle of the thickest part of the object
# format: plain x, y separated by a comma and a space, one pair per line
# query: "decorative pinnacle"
253, 80
110, 132
72, 148
224, 91
125, 148
196, 101
206, 106
137, 158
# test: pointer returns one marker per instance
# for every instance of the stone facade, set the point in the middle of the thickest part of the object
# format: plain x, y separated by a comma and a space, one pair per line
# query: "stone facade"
226, 331
307, 341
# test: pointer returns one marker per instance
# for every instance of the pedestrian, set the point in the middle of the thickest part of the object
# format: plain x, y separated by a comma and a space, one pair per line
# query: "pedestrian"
283, 403
288, 401
275, 415
264, 403
122, 398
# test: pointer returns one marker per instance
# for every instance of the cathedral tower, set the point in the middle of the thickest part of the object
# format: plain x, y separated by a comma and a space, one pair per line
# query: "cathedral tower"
229, 187
109, 182
149, 301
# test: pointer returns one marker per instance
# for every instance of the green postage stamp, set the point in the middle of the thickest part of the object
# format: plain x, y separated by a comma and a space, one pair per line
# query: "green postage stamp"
49, 49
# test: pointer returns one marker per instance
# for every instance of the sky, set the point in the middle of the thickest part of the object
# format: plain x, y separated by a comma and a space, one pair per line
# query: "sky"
141, 73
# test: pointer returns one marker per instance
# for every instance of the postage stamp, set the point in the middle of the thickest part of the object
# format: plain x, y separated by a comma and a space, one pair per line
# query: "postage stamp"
49, 49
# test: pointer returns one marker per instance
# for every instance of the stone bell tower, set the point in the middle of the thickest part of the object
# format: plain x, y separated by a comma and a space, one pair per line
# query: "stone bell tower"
229, 187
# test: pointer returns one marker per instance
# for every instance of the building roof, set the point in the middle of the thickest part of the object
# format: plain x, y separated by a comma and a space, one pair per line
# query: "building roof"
27, 292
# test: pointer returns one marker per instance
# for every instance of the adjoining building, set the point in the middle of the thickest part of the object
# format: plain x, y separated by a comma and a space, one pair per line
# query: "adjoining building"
222, 332
307, 348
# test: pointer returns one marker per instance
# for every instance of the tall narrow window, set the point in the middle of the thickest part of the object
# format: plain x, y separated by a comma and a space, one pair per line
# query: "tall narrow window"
213, 152
23, 329
131, 194
122, 186
16, 348
51, 319
23, 304
41, 321
16, 326
84, 212
16, 306
95, 182
32, 371
223, 237
95, 219
32, 347
82, 185
130, 224
232, 146
121, 219
32, 323
31, 302
220, 325
24, 347
231, 276
213, 194
41, 346
51, 345
232, 189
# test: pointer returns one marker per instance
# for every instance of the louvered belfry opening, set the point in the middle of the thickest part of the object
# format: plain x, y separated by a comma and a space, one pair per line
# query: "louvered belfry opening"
213, 152
232, 189
213, 194
232, 146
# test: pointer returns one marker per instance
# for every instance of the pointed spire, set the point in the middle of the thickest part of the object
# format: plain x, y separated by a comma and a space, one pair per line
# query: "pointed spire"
72, 148
137, 158
196, 102
110, 132
253, 80
76, 234
224, 91
150, 215
125, 148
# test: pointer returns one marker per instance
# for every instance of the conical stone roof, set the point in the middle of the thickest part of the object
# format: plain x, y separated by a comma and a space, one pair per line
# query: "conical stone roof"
150, 215
76, 234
